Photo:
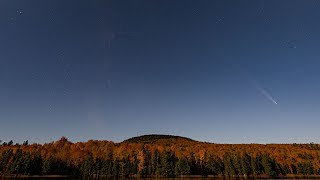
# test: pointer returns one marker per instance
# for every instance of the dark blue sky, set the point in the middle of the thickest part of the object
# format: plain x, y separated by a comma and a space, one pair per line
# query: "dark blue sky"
218, 71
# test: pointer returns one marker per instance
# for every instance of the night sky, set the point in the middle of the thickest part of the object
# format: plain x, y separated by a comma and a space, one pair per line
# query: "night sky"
218, 71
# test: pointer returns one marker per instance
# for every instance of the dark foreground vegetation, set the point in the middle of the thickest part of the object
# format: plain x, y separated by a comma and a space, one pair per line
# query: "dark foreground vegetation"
159, 156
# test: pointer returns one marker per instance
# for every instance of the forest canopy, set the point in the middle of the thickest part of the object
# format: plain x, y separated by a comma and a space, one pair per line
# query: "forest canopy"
158, 156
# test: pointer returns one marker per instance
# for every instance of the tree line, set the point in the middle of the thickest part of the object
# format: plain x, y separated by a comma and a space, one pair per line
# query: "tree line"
163, 158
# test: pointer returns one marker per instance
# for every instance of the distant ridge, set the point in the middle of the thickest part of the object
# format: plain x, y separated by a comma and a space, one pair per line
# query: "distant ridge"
151, 138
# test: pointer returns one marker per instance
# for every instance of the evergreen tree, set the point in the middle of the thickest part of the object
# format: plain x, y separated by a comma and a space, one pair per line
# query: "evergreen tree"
268, 165
17, 165
108, 164
87, 168
116, 167
246, 165
156, 163
25, 143
182, 167
4, 160
48, 166
167, 164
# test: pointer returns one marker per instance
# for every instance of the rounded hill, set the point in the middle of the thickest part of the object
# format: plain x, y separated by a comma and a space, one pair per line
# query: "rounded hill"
155, 138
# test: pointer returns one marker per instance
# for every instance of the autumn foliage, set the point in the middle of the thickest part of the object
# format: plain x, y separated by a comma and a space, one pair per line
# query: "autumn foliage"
161, 156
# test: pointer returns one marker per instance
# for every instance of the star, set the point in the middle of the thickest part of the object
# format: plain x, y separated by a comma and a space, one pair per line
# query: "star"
20, 12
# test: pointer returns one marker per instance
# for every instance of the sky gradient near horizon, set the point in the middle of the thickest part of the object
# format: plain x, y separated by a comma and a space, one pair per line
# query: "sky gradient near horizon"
218, 71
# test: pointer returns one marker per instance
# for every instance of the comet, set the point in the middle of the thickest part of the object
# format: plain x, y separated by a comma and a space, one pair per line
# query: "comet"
267, 95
